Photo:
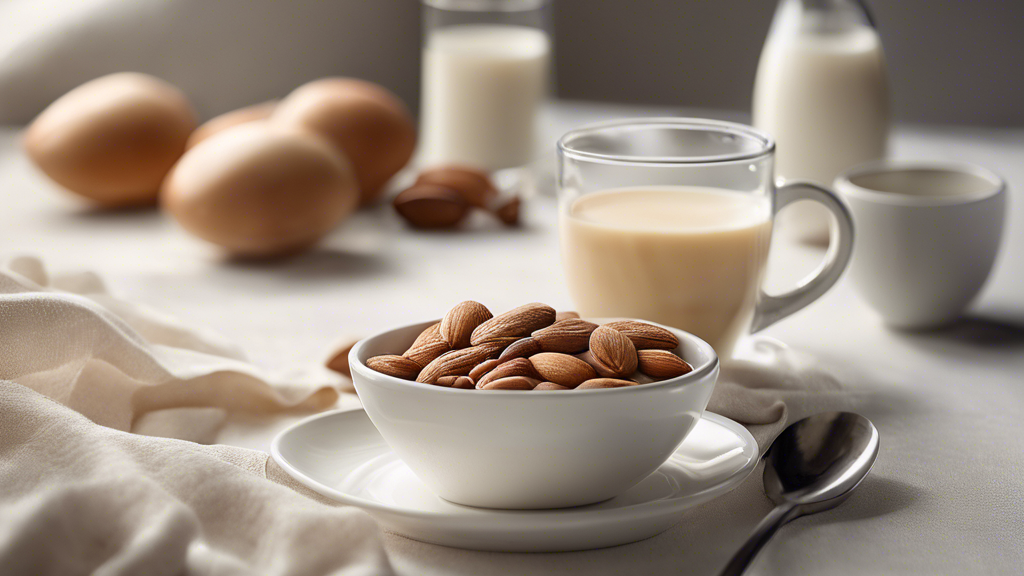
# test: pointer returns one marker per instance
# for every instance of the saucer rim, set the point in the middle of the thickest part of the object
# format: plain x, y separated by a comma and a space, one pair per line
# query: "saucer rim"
722, 486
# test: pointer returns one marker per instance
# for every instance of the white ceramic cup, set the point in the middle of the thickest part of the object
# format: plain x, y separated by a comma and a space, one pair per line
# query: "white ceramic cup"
529, 449
928, 234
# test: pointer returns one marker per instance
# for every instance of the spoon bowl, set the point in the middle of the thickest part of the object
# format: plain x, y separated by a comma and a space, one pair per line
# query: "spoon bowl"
811, 467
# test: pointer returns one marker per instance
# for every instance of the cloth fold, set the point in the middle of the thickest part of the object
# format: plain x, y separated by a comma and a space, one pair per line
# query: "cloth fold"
767, 385
79, 494
115, 361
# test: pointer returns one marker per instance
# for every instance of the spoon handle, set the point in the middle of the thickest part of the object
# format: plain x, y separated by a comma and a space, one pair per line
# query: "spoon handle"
762, 534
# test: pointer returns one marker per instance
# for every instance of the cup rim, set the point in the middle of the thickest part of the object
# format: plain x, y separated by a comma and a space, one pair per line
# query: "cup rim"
698, 372
844, 182
766, 148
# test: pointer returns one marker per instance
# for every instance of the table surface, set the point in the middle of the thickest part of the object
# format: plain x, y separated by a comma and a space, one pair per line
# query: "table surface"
945, 495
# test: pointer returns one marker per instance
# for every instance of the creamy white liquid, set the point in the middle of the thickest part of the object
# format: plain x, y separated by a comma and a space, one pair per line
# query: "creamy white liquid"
482, 85
824, 97
684, 256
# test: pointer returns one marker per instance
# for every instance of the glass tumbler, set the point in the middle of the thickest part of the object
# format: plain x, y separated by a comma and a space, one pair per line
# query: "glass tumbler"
670, 220
485, 74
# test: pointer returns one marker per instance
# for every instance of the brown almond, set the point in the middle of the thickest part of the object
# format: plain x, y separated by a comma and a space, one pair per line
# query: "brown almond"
514, 324
646, 336
522, 348
512, 383
394, 365
614, 350
508, 213
338, 360
562, 369
602, 370
475, 186
431, 206
514, 367
483, 368
566, 336
661, 364
605, 383
550, 386
565, 315
458, 324
455, 382
427, 346
457, 362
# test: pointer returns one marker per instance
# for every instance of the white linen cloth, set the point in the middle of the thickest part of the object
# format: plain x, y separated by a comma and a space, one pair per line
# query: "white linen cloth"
82, 495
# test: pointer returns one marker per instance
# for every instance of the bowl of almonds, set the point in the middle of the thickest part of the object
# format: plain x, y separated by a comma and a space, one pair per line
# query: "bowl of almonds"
533, 408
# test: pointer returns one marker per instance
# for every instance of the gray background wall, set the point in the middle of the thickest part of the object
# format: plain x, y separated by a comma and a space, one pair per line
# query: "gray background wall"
950, 61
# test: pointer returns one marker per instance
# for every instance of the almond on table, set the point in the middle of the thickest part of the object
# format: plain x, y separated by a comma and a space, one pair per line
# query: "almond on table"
532, 347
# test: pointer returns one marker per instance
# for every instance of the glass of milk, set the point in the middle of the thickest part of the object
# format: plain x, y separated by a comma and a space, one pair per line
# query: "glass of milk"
822, 92
485, 74
670, 220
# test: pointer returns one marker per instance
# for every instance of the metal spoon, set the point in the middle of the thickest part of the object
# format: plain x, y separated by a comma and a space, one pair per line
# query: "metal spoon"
811, 467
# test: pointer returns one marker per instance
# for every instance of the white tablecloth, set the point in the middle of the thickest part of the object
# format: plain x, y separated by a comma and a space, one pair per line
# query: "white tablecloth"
945, 496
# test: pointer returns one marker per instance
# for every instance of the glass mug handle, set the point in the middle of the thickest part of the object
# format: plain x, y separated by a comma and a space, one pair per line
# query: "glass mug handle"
771, 309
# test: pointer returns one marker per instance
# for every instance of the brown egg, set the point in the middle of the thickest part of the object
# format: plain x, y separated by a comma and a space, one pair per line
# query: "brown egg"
260, 190
365, 121
112, 140
220, 123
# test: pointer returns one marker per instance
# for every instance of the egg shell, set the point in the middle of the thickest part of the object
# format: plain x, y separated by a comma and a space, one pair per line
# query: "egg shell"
365, 121
220, 123
258, 190
113, 139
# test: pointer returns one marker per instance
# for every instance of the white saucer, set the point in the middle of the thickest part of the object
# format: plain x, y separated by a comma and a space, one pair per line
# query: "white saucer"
342, 456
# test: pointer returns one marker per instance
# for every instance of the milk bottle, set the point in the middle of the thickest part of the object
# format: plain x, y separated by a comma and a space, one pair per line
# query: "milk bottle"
821, 91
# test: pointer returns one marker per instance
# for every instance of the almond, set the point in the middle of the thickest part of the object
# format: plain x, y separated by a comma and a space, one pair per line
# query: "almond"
427, 346
508, 213
514, 367
483, 368
514, 324
559, 316
512, 383
458, 324
522, 348
394, 365
475, 186
431, 206
601, 369
455, 382
661, 364
457, 362
614, 350
550, 386
645, 336
338, 360
566, 336
562, 369
605, 383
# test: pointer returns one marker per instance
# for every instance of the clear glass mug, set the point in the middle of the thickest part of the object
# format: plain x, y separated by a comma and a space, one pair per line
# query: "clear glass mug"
670, 219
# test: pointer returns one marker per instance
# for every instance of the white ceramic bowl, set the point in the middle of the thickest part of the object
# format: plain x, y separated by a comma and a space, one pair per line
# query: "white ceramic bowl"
927, 237
530, 450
